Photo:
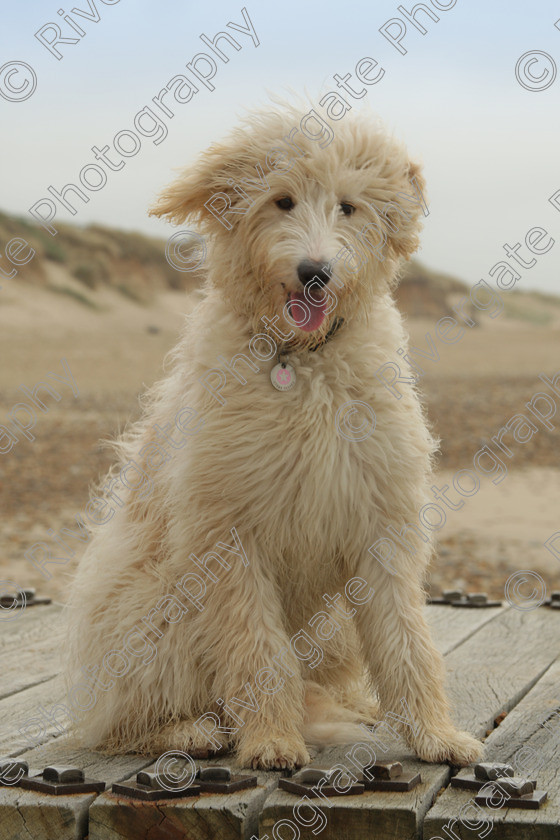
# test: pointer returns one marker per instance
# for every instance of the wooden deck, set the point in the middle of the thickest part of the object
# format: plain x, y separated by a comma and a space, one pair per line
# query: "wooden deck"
498, 660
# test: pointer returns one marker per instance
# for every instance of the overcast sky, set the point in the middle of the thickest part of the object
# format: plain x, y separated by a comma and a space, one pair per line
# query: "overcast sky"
489, 145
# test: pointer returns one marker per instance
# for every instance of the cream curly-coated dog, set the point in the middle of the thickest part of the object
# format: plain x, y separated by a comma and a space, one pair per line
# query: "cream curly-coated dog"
228, 598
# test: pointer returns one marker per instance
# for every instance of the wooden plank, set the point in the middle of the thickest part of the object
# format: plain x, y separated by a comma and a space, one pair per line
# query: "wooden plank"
533, 751
29, 662
31, 665
225, 816
378, 815
486, 674
31, 624
26, 814
19, 708
451, 626
494, 669
38, 662
29, 649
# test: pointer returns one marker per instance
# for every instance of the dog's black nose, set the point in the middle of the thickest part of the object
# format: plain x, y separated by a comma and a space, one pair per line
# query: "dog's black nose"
311, 270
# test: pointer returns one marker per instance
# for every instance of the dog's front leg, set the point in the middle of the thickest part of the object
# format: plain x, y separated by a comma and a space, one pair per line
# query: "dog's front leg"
256, 677
405, 665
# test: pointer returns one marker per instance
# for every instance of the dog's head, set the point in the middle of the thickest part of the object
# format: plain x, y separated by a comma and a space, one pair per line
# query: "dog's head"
308, 217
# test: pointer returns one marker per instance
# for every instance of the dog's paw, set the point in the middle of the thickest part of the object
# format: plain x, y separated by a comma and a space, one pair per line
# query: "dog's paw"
456, 747
282, 753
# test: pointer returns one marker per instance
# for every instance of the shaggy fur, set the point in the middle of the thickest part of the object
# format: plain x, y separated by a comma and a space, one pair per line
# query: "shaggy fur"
305, 501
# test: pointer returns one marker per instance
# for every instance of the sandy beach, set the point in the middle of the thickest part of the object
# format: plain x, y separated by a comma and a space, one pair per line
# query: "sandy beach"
470, 392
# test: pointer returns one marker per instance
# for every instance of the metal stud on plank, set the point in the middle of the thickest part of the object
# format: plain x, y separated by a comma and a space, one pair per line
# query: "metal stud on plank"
387, 770
470, 782
214, 774
148, 788
515, 785
446, 597
476, 599
151, 780
312, 775
12, 771
389, 776
63, 774
319, 781
529, 801
27, 595
457, 598
452, 595
218, 779
59, 781
489, 771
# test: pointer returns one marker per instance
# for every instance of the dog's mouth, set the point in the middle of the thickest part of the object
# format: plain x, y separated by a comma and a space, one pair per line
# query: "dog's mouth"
307, 310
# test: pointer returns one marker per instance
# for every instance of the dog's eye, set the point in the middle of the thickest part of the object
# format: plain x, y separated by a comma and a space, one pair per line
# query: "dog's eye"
346, 208
285, 203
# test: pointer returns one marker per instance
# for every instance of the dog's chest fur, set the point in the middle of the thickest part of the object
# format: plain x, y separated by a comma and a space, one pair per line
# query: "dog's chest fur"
278, 462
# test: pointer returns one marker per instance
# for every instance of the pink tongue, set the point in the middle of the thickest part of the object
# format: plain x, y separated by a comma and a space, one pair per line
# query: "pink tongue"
300, 314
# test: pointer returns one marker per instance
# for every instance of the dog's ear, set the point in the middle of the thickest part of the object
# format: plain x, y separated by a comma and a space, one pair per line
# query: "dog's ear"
403, 213
216, 171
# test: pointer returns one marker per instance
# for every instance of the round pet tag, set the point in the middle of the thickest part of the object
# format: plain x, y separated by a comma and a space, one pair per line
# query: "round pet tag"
283, 376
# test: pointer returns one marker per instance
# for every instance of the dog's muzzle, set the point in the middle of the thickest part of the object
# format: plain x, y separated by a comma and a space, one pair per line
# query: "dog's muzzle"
308, 308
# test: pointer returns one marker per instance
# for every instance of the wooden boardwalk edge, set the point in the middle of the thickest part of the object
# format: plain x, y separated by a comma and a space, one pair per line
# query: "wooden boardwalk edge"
497, 660
534, 751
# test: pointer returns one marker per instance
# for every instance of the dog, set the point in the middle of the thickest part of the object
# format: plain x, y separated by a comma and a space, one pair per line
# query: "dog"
228, 600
